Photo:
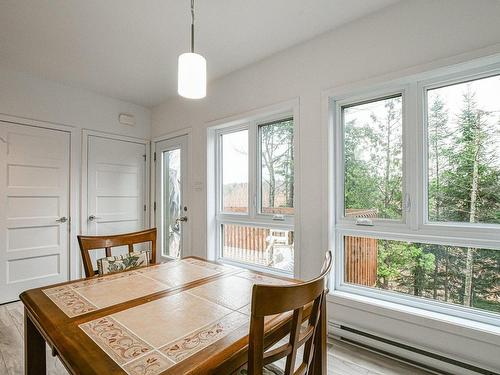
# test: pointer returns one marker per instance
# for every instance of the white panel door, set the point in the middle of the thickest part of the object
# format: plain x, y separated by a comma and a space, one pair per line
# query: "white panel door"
116, 178
34, 208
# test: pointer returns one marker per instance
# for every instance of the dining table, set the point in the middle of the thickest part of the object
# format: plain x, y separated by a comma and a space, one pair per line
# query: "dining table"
187, 316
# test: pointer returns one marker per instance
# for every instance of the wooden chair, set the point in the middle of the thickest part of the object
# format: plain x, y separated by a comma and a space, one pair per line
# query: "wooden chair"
269, 300
92, 243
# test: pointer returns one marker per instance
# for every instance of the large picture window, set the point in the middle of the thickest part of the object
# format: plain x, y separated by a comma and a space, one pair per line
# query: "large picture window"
430, 240
255, 194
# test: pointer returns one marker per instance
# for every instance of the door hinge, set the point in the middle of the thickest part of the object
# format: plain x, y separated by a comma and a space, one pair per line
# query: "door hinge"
154, 206
145, 208
144, 156
154, 156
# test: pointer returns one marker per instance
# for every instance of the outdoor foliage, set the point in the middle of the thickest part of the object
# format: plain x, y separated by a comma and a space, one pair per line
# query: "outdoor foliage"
277, 163
463, 186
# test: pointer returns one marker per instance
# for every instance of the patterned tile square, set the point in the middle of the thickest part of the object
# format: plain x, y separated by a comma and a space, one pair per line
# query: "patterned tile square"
150, 364
166, 319
203, 337
181, 274
121, 290
231, 291
116, 340
71, 303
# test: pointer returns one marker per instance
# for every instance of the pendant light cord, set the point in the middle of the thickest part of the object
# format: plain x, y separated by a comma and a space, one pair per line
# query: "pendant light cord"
192, 26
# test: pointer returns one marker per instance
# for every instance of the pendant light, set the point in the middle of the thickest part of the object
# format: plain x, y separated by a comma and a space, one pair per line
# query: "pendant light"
192, 70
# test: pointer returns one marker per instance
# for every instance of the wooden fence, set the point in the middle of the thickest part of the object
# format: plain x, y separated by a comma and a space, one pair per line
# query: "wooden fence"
254, 245
360, 259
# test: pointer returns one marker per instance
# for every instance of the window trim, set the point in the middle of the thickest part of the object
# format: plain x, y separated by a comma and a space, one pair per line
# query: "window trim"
219, 170
417, 228
338, 105
483, 316
424, 87
215, 217
258, 159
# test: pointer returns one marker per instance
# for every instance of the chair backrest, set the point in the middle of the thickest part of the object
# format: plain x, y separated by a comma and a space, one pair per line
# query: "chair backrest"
269, 300
90, 243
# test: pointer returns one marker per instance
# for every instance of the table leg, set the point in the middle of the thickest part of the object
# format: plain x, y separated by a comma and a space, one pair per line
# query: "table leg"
34, 349
319, 363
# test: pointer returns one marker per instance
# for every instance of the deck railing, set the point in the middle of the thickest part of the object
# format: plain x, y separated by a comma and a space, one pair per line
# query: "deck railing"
268, 247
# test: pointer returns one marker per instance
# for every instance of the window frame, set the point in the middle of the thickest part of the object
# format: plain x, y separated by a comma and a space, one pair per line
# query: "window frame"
253, 217
416, 226
349, 101
484, 229
258, 188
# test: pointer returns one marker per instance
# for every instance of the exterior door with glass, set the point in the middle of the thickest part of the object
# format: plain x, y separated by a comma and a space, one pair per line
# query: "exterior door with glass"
172, 215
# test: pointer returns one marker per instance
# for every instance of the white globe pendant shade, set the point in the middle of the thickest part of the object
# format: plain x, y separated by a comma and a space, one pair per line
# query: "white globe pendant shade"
192, 76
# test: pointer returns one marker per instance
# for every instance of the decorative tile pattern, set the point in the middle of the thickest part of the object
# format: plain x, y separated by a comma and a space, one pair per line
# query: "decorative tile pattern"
71, 302
121, 290
212, 266
185, 323
232, 292
149, 364
102, 279
194, 342
170, 317
117, 341
56, 289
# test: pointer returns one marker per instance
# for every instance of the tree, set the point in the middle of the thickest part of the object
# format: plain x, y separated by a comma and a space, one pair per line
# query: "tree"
438, 130
373, 173
471, 183
277, 154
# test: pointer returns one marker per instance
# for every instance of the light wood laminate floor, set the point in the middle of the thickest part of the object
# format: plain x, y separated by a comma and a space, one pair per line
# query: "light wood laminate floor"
343, 359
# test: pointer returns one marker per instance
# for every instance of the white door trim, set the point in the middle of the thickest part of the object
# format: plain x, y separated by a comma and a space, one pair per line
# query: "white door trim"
187, 201
74, 191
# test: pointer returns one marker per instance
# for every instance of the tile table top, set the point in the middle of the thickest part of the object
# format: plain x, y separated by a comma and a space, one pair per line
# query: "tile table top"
153, 320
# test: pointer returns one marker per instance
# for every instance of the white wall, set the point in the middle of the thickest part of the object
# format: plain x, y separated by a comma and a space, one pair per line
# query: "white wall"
406, 38
25, 96
29, 100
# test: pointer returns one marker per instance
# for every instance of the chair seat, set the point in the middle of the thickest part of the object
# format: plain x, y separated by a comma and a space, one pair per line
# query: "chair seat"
267, 370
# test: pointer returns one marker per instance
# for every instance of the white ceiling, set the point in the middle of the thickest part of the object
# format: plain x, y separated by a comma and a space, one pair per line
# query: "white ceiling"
128, 49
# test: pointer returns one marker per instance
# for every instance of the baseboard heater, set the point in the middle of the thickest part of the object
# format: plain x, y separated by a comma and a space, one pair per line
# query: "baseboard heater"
369, 341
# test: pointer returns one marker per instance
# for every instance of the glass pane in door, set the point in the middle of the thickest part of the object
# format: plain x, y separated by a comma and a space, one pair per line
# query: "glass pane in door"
172, 203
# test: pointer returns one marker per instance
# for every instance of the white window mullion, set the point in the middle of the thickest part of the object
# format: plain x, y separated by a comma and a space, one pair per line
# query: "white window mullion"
413, 171
252, 170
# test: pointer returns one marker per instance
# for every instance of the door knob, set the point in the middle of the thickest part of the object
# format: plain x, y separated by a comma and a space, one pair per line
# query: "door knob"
62, 219
182, 218
92, 218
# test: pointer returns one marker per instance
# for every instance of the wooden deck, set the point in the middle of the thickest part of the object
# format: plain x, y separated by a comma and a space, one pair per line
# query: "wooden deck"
343, 359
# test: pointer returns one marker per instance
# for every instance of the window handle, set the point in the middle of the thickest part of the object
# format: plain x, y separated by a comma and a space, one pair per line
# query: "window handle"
364, 221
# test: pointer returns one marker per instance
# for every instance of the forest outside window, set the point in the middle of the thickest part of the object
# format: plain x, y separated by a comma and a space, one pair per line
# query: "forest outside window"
255, 194
441, 253
373, 165
276, 167
463, 148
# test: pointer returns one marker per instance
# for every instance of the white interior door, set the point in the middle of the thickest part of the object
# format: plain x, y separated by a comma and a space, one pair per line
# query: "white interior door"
34, 208
172, 217
116, 191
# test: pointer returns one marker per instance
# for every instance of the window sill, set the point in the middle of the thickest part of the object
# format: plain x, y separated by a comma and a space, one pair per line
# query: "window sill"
416, 316
257, 268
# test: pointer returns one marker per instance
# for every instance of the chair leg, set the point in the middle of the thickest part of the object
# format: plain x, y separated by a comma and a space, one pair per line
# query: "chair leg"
319, 362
